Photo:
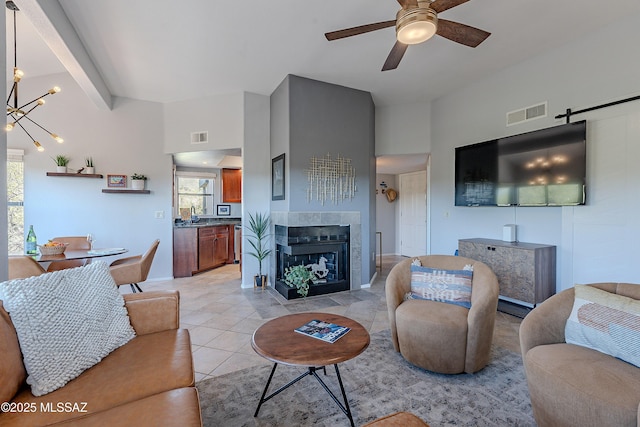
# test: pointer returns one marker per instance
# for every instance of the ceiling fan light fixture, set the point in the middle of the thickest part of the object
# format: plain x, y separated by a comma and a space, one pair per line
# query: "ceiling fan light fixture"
416, 25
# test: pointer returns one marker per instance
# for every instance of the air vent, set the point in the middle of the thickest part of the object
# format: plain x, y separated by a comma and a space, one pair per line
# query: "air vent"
199, 137
526, 114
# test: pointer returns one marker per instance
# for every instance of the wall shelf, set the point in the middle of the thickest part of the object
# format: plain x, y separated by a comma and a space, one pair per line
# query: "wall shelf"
76, 175
125, 191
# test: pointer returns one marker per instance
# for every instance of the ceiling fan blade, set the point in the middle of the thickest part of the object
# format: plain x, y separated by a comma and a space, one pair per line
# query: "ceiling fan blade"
395, 56
348, 32
406, 3
461, 33
442, 5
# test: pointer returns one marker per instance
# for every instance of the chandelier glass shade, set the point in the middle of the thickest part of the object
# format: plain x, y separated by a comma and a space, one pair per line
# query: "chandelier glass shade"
17, 112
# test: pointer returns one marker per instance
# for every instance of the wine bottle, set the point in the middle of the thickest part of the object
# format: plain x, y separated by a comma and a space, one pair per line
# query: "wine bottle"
32, 242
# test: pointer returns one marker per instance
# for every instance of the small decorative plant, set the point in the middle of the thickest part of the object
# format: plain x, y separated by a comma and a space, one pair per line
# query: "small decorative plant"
88, 162
299, 277
61, 160
138, 176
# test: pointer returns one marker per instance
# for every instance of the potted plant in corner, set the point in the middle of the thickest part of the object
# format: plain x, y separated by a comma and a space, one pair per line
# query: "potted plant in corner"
137, 181
259, 224
299, 277
88, 166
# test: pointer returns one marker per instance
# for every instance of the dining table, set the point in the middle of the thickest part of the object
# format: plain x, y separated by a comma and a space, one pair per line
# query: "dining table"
80, 254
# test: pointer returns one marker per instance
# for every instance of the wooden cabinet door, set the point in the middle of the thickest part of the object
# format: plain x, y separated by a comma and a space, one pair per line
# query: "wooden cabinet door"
221, 248
185, 252
206, 248
231, 186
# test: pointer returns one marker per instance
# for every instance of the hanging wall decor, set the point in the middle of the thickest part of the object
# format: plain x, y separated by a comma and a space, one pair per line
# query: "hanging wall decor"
331, 179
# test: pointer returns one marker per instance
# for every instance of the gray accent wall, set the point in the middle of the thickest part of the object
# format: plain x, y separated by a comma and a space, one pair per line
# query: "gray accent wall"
312, 118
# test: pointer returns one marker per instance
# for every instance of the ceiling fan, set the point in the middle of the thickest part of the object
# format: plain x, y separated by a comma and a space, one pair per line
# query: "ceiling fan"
416, 22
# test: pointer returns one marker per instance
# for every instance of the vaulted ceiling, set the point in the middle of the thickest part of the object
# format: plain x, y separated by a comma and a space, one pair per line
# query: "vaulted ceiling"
164, 51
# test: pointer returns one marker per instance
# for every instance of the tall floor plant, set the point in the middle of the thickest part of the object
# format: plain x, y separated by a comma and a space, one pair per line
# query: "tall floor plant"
259, 224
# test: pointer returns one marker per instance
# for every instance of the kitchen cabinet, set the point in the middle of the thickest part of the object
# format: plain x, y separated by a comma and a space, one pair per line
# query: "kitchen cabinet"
185, 251
201, 248
231, 186
213, 246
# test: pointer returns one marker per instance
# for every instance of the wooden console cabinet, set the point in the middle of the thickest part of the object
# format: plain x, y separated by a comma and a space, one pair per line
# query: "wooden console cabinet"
526, 271
197, 249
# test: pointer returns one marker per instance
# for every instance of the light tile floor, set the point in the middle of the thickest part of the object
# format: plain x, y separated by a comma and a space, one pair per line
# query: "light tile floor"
221, 316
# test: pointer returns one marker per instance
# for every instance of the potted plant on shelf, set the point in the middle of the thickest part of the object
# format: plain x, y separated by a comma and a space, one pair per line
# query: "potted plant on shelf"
259, 224
61, 162
299, 277
88, 166
137, 181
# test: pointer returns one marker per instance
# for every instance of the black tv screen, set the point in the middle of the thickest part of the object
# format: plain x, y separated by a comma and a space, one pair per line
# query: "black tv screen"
540, 168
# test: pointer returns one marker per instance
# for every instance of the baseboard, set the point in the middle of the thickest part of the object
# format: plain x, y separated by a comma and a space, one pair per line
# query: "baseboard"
513, 309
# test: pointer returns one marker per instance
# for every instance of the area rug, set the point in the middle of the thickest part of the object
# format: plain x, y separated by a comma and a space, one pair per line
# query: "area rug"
378, 382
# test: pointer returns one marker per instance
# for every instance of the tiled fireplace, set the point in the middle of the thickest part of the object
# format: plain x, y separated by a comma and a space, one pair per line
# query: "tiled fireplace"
328, 242
323, 249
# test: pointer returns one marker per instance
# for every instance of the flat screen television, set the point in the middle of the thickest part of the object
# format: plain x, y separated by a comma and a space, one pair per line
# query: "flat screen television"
546, 167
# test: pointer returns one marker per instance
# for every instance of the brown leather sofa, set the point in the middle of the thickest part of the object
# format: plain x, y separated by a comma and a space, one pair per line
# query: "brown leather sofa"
571, 385
147, 382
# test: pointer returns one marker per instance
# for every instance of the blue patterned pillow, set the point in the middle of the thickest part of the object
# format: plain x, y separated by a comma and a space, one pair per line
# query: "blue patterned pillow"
450, 286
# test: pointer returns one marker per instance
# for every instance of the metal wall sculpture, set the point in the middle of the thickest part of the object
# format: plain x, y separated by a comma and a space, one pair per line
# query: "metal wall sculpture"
331, 179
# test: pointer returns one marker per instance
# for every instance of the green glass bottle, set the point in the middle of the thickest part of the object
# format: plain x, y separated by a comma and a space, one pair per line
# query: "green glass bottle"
32, 242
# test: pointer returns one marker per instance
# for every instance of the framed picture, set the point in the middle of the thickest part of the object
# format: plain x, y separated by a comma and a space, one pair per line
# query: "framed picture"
277, 178
117, 181
224, 210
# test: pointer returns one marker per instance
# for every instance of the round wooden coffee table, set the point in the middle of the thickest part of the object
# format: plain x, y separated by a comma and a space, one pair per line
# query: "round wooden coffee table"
277, 341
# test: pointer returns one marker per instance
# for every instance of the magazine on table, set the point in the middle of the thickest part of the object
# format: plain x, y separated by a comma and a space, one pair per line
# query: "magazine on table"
325, 331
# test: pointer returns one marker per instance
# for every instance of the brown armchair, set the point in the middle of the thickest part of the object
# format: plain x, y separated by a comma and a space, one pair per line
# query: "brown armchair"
571, 385
437, 336
74, 243
21, 267
135, 269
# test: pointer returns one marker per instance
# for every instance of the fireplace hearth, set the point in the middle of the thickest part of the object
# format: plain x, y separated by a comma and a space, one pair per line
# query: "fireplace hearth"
323, 249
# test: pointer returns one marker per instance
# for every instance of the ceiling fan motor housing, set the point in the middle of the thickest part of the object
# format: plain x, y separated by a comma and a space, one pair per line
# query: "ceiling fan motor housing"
416, 24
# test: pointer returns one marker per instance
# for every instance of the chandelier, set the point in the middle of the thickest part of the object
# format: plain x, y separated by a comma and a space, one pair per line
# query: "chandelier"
17, 113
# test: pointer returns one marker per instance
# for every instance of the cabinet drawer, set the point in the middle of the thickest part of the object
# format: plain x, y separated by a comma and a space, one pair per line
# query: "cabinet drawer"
213, 230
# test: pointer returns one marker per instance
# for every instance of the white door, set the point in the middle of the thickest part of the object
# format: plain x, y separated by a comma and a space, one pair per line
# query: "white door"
413, 213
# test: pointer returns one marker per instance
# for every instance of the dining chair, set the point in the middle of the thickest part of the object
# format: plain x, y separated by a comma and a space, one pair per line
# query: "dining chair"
21, 267
75, 243
134, 269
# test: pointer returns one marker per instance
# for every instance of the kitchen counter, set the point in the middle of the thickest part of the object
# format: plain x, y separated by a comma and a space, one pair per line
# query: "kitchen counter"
203, 245
208, 222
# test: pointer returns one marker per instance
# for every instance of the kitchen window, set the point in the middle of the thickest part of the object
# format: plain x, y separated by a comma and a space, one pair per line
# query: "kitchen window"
194, 191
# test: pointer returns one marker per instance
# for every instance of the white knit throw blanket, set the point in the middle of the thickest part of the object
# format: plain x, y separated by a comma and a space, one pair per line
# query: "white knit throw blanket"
66, 321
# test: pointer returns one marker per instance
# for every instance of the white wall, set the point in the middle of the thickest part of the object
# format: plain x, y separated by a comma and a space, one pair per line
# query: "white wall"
256, 175
386, 221
126, 140
595, 241
220, 115
403, 129
3, 170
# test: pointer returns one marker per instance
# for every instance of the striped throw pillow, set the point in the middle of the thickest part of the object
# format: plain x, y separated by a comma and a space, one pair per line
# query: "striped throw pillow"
606, 322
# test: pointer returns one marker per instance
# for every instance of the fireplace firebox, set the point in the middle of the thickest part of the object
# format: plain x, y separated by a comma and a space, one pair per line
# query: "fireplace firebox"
323, 249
